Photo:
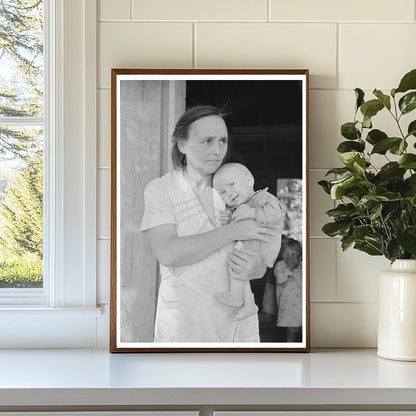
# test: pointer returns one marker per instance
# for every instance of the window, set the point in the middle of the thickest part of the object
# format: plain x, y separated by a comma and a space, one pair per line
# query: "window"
63, 313
22, 128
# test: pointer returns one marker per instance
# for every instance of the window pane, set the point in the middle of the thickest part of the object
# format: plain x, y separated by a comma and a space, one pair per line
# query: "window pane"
21, 58
21, 207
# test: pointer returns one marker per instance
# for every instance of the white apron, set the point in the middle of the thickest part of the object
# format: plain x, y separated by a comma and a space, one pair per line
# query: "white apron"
186, 308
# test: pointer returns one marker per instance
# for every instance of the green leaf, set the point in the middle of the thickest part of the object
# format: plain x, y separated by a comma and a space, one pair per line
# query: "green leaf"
359, 95
359, 232
391, 170
407, 239
411, 182
348, 158
338, 189
359, 165
375, 211
338, 171
408, 102
325, 186
408, 82
391, 212
346, 242
375, 243
413, 211
367, 122
385, 99
342, 211
412, 202
333, 229
350, 146
411, 130
369, 201
368, 248
393, 250
375, 136
398, 149
408, 161
350, 131
383, 145
371, 108
402, 147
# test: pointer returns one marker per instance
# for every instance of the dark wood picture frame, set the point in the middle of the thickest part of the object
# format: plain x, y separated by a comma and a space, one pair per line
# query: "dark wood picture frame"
161, 96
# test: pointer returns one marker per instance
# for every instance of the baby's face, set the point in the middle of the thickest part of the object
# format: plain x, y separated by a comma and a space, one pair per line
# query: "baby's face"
233, 186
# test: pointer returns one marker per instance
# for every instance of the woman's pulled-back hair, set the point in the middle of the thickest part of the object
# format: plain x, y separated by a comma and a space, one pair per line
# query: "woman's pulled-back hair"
181, 131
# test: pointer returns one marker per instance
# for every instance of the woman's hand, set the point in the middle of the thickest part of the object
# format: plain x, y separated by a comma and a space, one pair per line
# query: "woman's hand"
249, 229
246, 264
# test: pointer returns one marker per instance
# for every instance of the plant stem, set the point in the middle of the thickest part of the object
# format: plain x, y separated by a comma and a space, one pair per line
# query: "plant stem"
388, 234
397, 118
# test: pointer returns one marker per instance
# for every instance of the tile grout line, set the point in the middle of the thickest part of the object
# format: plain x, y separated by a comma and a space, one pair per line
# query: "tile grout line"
194, 62
131, 10
335, 248
351, 302
323, 237
269, 10
338, 66
307, 22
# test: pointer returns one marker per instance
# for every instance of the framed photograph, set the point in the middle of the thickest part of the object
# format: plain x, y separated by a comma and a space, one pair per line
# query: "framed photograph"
209, 211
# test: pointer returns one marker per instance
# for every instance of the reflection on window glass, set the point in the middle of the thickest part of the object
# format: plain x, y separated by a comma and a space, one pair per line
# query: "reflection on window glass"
21, 143
21, 58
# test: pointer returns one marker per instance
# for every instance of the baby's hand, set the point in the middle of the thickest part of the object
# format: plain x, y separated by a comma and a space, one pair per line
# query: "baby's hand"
243, 212
224, 217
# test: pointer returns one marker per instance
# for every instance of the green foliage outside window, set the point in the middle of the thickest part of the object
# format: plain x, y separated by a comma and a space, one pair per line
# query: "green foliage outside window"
21, 146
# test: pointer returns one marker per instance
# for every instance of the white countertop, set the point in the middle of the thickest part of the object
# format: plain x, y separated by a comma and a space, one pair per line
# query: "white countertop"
96, 377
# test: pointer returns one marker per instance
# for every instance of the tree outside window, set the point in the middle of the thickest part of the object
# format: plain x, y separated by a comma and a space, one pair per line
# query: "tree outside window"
21, 143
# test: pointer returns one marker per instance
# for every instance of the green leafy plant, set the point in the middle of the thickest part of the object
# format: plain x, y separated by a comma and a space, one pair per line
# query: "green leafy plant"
376, 210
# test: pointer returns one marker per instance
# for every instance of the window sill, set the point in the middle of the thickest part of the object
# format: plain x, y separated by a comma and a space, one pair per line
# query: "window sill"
40, 327
36, 312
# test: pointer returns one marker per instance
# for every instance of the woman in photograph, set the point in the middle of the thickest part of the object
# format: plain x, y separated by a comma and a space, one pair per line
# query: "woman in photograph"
193, 249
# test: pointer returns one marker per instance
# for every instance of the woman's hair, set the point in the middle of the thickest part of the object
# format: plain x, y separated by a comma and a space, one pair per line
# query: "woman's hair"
181, 131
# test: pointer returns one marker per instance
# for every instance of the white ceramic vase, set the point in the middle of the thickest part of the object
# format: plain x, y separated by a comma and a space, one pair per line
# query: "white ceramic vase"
397, 312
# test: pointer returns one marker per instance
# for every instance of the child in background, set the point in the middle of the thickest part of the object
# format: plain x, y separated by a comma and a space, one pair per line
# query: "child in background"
234, 183
288, 273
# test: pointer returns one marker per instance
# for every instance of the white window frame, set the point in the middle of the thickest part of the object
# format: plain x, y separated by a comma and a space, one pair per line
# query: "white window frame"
64, 313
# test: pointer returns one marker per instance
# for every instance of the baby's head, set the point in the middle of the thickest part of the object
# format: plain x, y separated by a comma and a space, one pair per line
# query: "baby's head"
234, 182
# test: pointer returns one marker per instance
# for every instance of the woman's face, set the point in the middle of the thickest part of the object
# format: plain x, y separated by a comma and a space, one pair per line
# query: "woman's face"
206, 145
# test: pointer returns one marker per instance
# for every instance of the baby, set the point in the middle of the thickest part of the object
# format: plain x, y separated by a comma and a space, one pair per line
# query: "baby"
234, 183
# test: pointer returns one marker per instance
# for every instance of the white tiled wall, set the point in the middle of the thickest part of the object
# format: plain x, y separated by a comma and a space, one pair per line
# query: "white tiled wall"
345, 44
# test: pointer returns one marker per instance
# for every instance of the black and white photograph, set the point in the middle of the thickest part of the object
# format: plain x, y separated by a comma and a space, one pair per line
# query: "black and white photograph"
209, 210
